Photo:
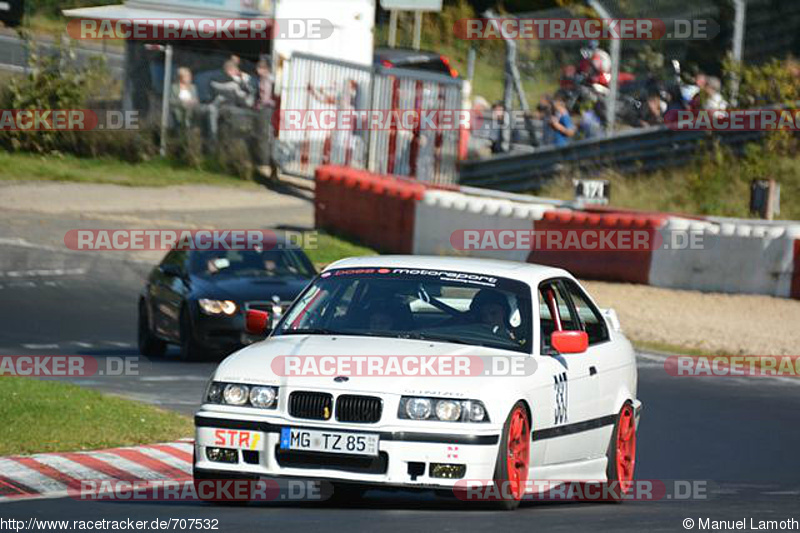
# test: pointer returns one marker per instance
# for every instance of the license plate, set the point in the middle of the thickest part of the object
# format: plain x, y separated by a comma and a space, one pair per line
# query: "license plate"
329, 441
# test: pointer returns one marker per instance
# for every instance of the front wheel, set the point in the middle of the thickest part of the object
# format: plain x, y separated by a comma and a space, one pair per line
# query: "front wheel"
513, 460
149, 344
190, 349
621, 454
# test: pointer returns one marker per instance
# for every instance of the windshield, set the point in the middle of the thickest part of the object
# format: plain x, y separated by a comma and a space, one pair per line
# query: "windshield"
446, 306
268, 263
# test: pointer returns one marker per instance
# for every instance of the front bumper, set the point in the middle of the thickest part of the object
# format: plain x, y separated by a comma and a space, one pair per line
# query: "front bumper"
404, 456
221, 332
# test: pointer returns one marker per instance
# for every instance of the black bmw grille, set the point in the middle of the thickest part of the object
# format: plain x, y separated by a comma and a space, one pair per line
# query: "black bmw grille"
360, 409
313, 405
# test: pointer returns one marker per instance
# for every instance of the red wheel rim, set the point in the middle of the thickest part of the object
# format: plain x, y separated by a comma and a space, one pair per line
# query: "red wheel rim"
626, 447
518, 452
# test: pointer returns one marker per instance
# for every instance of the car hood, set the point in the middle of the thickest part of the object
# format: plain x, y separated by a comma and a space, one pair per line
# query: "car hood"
260, 363
250, 288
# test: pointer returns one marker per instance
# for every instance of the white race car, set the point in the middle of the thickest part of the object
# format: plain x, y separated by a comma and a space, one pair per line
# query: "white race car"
428, 372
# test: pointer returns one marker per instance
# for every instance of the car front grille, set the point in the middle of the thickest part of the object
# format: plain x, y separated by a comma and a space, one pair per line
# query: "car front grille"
312, 405
333, 461
359, 409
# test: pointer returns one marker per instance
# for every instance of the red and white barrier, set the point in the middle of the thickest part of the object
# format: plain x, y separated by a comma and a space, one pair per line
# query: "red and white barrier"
440, 214
400, 215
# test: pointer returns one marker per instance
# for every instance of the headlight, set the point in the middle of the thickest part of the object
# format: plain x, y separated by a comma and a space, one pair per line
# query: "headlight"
418, 408
217, 307
442, 409
263, 397
448, 410
235, 394
477, 412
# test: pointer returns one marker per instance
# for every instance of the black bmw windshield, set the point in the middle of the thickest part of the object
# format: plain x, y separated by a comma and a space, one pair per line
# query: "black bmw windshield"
435, 305
240, 263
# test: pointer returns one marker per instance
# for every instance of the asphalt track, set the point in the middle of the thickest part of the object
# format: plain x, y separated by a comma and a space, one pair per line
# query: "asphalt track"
739, 436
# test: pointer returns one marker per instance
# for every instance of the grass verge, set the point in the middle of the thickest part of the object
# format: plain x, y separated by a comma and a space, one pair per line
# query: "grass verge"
331, 248
717, 183
49, 416
155, 173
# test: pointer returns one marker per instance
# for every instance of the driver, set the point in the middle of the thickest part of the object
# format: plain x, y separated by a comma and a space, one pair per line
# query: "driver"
491, 308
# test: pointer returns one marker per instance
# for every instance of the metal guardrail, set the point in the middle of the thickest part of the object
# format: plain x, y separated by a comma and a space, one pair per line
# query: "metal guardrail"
639, 150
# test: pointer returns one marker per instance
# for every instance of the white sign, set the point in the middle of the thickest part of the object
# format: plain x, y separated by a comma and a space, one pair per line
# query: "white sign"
412, 5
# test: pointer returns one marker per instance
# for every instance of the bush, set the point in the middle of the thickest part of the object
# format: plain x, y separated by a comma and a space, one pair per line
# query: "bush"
54, 81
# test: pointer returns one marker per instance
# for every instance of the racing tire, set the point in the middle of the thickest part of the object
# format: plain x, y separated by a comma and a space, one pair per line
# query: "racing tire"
513, 459
621, 455
190, 349
149, 344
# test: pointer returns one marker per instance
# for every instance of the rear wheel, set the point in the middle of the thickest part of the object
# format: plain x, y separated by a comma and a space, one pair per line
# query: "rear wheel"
149, 344
513, 461
621, 454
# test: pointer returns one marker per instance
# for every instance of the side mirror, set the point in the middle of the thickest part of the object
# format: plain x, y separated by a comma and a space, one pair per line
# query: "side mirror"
255, 322
569, 341
171, 270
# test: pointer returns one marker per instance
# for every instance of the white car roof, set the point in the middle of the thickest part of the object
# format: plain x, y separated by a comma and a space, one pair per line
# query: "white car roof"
527, 272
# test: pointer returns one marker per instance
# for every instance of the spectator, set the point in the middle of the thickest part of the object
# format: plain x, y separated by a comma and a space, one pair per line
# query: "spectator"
266, 82
697, 94
675, 101
232, 89
591, 124
498, 125
652, 111
561, 123
183, 97
714, 100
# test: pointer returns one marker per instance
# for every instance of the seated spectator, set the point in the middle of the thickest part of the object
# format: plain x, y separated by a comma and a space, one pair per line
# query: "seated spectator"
183, 97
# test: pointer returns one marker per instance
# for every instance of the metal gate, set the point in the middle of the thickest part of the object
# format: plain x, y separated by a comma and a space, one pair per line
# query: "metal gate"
313, 85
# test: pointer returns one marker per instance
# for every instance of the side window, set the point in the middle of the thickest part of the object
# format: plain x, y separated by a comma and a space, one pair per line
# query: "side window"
593, 322
178, 258
554, 312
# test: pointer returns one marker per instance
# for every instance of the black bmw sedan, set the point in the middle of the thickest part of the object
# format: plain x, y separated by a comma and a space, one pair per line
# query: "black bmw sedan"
198, 299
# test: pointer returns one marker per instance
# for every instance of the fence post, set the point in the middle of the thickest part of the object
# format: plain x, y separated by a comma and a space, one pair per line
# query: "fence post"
392, 27
417, 29
165, 98
738, 45
616, 54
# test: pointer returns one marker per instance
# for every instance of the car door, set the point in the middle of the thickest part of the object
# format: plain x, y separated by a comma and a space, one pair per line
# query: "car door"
605, 360
573, 377
168, 290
